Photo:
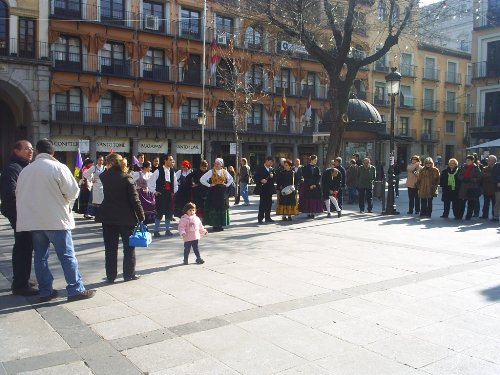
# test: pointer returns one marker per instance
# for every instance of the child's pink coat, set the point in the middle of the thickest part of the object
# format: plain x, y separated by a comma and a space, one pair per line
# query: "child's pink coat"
191, 228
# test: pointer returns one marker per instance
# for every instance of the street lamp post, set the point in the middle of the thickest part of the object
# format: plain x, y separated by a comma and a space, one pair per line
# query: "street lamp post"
202, 119
202, 116
393, 80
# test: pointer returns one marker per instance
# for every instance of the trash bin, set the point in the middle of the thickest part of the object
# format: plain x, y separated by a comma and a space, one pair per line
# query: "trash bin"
378, 189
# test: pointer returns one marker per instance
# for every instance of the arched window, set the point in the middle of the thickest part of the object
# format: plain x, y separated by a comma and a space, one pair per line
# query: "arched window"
4, 28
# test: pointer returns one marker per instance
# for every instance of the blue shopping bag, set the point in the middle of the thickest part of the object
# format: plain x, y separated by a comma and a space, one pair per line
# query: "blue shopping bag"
141, 236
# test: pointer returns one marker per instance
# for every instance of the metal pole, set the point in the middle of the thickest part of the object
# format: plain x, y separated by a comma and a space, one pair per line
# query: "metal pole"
391, 206
203, 77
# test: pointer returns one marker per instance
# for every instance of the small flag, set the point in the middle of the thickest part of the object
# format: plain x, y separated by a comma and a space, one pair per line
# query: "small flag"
283, 107
111, 151
135, 160
308, 113
213, 58
78, 163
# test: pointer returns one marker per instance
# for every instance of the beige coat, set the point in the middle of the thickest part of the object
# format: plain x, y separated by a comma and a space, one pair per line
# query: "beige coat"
413, 171
428, 182
45, 193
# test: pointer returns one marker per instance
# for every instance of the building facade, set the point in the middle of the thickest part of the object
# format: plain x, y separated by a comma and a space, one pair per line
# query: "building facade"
24, 73
485, 122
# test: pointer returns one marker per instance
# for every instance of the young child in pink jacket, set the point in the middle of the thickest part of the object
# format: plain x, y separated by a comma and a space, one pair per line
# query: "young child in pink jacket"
191, 229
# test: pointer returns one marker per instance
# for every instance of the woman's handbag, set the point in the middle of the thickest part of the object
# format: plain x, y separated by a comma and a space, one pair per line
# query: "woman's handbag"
141, 236
287, 190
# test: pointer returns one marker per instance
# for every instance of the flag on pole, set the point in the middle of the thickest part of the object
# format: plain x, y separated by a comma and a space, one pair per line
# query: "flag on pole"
308, 113
213, 58
283, 107
135, 160
78, 163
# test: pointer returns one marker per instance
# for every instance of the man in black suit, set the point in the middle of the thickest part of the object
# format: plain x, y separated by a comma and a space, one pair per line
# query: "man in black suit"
337, 163
264, 178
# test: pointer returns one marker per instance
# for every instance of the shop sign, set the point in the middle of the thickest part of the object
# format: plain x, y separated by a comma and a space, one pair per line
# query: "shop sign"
232, 148
65, 143
108, 144
188, 148
84, 146
152, 147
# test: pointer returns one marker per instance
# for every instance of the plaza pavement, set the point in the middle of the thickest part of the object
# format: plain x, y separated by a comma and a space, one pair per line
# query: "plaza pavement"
364, 294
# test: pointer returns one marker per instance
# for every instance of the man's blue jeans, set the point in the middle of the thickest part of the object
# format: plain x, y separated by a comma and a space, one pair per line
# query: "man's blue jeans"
63, 245
158, 222
244, 192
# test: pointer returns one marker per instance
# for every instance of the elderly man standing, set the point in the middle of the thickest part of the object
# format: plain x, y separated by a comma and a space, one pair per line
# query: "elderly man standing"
366, 177
488, 186
45, 193
22, 251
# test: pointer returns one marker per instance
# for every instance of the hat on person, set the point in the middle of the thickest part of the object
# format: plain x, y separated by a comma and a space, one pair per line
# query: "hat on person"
220, 161
186, 163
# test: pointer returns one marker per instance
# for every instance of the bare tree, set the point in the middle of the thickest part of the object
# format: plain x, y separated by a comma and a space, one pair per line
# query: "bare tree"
328, 29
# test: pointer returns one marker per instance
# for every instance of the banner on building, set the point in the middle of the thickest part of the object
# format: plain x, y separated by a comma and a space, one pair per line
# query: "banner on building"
115, 144
84, 146
148, 146
188, 148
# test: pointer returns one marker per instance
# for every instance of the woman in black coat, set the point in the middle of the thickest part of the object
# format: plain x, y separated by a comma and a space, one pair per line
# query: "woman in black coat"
311, 202
199, 191
119, 213
449, 187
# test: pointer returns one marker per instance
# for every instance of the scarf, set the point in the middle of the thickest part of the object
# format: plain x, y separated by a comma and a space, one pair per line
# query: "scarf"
451, 179
468, 170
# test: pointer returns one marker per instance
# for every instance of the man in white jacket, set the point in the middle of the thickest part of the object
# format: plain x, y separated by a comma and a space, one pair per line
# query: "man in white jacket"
45, 193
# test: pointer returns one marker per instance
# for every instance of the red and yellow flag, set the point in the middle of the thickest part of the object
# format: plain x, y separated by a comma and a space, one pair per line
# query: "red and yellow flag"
283, 107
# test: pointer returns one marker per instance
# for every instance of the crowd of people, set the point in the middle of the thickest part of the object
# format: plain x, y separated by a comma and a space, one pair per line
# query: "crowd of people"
119, 196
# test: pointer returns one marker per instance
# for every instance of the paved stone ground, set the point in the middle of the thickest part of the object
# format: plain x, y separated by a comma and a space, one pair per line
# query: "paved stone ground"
364, 294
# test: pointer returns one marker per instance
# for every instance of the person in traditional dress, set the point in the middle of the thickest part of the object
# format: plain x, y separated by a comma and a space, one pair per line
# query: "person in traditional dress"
286, 186
97, 193
312, 202
331, 183
145, 185
198, 190
216, 211
183, 195
165, 188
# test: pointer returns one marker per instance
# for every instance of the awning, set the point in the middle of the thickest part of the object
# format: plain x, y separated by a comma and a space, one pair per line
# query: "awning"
495, 143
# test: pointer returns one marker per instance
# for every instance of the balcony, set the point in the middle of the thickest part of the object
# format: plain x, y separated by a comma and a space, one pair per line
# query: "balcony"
189, 121
104, 116
254, 127
430, 74
430, 105
287, 87
380, 66
404, 132
380, 100
190, 29
451, 106
68, 62
408, 70
283, 128
406, 101
190, 76
114, 66
15, 48
156, 72
485, 69
455, 78
224, 122
429, 137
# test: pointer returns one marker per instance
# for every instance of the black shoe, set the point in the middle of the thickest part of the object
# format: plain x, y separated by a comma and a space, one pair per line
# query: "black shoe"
269, 221
312, 216
185, 262
110, 281
168, 233
328, 214
86, 294
50, 297
494, 219
289, 218
200, 261
444, 216
26, 292
135, 277
339, 213
484, 217
458, 218
369, 211
157, 234
417, 212
361, 211
468, 218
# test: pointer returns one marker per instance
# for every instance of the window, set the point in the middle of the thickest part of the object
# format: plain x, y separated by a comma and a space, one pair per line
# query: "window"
381, 10
451, 74
113, 10
68, 8
224, 29
113, 108
154, 110
406, 65
381, 64
26, 38
493, 57
359, 23
254, 117
4, 29
112, 59
282, 82
224, 115
310, 87
451, 105
395, 14
69, 105
492, 109
450, 126
256, 76
192, 73
253, 38
189, 113
153, 16
405, 97
379, 96
430, 69
427, 126
467, 104
429, 104
404, 126
190, 24
283, 125
154, 66
449, 152
67, 53
225, 76
468, 78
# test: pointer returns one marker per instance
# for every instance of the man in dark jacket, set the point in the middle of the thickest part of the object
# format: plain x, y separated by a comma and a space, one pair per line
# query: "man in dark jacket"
22, 251
337, 163
264, 178
495, 175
